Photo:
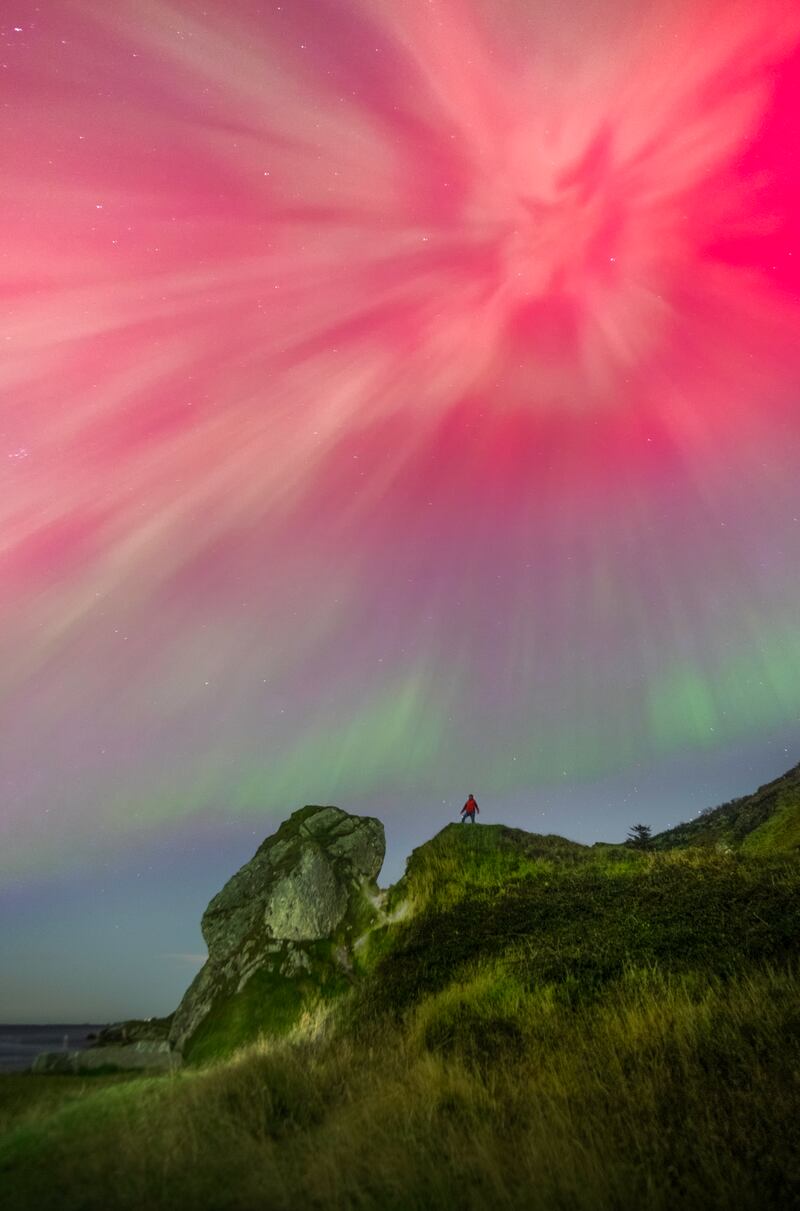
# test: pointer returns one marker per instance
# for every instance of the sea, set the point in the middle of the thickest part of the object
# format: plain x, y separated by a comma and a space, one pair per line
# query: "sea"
20, 1045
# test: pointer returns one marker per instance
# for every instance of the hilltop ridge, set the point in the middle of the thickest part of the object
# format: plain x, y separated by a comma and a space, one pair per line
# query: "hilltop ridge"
768, 820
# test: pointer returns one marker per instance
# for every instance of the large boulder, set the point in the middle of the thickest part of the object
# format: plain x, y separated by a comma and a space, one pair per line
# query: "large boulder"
280, 934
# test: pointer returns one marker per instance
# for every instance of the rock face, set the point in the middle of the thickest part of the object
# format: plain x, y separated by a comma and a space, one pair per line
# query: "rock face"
282, 929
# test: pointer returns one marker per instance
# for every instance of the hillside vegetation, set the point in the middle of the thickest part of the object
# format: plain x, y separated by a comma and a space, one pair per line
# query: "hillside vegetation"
531, 1024
764, 822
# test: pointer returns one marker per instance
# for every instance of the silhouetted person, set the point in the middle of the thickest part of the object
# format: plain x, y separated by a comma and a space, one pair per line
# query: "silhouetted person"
469, 809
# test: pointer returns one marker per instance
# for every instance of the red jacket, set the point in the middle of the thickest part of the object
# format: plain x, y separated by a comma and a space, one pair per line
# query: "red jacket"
470, 807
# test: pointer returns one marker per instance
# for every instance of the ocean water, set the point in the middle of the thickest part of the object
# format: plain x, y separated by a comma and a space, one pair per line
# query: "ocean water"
20, 1045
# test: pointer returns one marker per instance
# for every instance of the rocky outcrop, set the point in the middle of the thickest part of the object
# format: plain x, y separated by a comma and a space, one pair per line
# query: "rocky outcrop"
282, 929
134, 1030
141, 1055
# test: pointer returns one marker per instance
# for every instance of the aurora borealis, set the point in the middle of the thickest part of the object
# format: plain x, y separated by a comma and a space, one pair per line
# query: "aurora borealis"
399, 398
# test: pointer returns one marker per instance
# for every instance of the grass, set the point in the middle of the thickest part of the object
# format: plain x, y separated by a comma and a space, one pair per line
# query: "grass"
548, 1026
665, 1092
28, 1099
781, 831
464, 857
582, 922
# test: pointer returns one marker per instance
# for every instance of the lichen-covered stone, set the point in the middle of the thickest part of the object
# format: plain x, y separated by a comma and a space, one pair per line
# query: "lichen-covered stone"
308, 902
289, 915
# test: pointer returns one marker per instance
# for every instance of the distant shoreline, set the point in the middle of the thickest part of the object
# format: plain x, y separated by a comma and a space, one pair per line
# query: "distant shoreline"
21, 1042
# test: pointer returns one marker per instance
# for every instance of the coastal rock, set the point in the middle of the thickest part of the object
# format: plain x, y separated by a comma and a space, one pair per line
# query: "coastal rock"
134, 1030
289, 917
141, 1055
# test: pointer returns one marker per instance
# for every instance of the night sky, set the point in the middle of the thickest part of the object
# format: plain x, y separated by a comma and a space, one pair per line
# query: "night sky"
398, 398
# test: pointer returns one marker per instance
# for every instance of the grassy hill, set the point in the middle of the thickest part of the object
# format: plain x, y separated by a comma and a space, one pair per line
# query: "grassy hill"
561, 914
535, 1024
767, 821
